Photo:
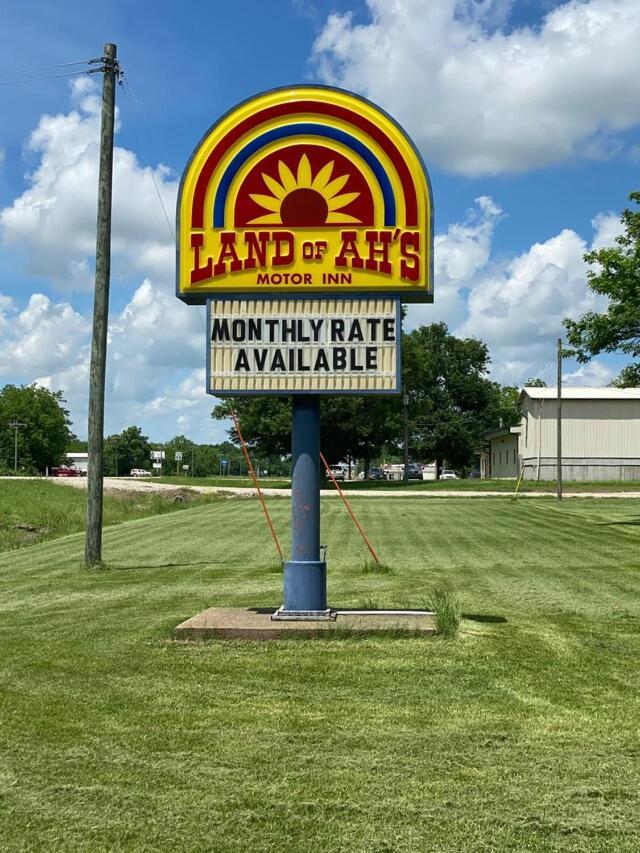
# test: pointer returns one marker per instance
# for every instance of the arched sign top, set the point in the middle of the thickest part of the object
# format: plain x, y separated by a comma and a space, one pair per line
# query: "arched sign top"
301, 191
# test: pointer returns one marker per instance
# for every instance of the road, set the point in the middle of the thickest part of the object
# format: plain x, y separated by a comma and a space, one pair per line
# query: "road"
130, 484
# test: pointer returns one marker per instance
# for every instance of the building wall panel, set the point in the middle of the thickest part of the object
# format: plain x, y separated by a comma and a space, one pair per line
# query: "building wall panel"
590, 428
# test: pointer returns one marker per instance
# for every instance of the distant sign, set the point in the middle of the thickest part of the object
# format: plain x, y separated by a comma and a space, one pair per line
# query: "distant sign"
305, 190
157, 464
185, 467
328, 346
157, 454
178, 456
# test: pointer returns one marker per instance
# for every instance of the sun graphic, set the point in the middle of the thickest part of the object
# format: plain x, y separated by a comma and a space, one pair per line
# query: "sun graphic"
304, 200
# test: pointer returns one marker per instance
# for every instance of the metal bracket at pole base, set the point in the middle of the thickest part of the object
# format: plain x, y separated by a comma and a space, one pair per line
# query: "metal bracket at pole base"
282, 615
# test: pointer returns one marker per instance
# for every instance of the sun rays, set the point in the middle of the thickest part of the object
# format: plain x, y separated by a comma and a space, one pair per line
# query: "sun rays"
304, 199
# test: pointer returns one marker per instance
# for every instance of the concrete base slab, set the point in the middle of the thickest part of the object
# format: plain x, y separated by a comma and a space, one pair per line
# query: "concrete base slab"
256, 624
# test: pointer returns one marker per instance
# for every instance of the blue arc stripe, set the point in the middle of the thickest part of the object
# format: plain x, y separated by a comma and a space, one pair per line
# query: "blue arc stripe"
300, 130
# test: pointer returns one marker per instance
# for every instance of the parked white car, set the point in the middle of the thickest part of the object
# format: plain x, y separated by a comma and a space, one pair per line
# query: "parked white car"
448, 474
139, 472
337, 471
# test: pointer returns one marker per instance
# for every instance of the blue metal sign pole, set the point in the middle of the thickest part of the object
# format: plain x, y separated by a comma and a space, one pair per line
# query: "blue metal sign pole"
305, 574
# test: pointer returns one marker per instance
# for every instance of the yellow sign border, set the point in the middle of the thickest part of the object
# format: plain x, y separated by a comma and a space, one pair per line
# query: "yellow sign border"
237, 130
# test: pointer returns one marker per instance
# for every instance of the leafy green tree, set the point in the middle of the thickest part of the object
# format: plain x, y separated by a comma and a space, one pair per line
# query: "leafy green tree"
179, 443
43, 441
265, 422
112, 461
204, 460
230, 453
451, 400
615, 274
350, 426
629, 377
126, 450
534, 382
504, 406
359, 427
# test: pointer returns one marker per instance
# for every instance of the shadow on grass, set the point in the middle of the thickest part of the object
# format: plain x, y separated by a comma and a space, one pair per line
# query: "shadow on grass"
632, 521
484, 617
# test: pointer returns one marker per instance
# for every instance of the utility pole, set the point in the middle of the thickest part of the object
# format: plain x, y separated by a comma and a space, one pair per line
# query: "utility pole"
15, 426
93, 538
559, 424
405, 408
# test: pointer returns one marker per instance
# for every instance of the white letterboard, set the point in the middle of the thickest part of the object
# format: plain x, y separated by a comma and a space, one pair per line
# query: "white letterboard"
292, 346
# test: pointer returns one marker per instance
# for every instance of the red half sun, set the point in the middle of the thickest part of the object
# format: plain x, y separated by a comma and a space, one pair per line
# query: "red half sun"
304, 186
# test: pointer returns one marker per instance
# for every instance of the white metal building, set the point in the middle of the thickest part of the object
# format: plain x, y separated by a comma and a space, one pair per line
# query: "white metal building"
500, 458
78, 460
600, 436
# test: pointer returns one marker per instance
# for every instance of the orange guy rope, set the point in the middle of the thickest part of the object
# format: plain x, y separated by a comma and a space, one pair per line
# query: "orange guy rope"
349, 510
256, 484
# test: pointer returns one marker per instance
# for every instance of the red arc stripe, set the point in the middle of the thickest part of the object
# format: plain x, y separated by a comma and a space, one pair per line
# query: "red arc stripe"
314, 107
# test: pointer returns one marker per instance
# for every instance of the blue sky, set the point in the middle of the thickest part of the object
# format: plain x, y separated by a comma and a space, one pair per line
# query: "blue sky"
526, 114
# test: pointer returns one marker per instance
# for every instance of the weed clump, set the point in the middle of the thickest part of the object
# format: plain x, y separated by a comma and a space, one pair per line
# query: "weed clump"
370, 567
445, 605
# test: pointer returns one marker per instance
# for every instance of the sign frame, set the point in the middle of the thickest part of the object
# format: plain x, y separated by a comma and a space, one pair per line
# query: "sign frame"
406, 294
306, 392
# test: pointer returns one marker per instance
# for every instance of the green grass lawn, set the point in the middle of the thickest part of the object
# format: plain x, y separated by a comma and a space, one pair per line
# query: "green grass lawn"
519, 735
33, 511
420, 485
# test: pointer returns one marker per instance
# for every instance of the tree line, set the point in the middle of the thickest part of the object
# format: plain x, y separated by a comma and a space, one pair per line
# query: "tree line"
131, 449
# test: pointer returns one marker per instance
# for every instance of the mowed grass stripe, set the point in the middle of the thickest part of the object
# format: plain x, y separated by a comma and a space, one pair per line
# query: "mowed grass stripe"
519, 735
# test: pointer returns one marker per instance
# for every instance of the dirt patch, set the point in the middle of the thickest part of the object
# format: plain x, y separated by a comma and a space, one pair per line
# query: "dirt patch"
167, 494
29, 531
28, 528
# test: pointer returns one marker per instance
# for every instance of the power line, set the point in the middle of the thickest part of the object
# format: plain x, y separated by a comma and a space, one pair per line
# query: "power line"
44, 77
163, 154
153, 177
48, 67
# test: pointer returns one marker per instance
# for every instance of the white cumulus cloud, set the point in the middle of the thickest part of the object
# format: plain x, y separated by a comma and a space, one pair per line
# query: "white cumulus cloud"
517, 307
156, 344
480, 98
53, 221
43, 336
460, 253
594, 374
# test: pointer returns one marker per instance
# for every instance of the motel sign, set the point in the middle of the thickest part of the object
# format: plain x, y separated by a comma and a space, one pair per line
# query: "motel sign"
304, 221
